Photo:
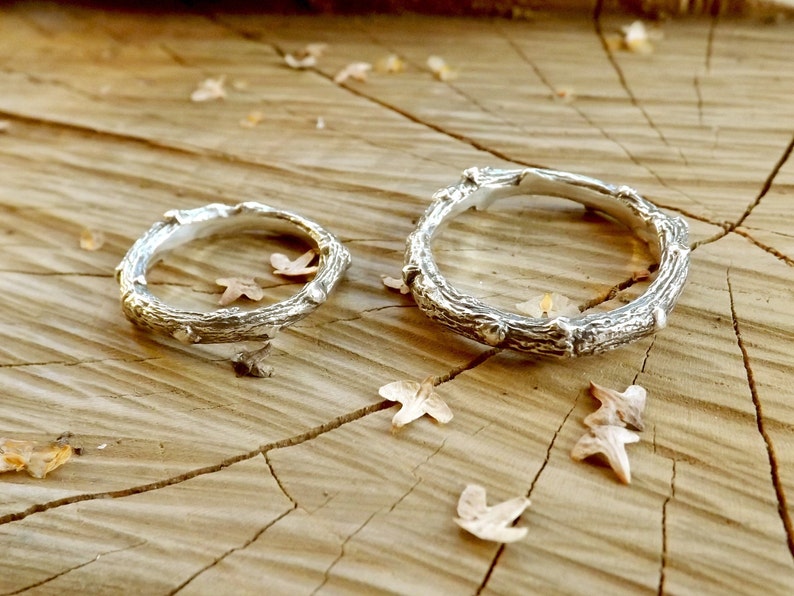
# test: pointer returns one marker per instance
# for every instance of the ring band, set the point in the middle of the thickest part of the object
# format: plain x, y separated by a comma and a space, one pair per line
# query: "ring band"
226, 324
559, 336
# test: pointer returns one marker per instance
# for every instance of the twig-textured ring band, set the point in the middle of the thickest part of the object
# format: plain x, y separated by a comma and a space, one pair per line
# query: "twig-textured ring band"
559, 336
225, 324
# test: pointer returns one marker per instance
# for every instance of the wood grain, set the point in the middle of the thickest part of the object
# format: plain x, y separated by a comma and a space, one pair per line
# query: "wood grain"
193, 480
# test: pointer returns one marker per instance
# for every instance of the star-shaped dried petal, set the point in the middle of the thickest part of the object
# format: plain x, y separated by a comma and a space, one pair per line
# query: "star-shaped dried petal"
38, 460
307, 57
209, 89
237, 287
609, 441
440, 69
490, 523
355, 70
550, 305
252, 364
282, 265
391, 64
395, 284
618, 409
417, 399
91, 239
635, 38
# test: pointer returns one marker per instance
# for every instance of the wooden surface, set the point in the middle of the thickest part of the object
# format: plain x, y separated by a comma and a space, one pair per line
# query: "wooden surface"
194, 481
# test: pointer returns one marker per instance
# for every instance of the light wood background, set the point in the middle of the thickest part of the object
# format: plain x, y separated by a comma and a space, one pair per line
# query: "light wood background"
194, 481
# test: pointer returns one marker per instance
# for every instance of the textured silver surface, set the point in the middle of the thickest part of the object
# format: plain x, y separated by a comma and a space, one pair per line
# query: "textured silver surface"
229, 324
560, 336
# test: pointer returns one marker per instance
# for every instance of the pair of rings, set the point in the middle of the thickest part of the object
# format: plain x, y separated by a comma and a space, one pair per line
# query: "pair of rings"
560, 336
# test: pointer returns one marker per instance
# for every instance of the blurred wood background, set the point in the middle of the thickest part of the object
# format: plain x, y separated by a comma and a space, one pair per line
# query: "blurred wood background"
192, 480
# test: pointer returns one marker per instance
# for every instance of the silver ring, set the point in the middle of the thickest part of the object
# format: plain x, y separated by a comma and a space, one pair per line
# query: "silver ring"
225, 324
560, 336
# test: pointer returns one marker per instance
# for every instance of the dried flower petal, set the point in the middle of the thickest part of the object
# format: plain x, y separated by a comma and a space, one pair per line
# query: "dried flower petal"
307, 57
417, 399
391, 64
440, 69
252, 364
618, 409
91, 239
300, 61
395, 284
320, 123
38, 460
236, 287
356, 71
490, 523
635, 38
282, 265
252, 119
609, 441
548, 305
209, 90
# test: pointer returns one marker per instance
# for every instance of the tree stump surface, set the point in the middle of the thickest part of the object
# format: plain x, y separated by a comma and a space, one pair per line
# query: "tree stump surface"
193, 480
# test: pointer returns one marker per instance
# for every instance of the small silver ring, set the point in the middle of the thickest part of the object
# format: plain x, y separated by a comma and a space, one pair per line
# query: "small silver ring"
230, 324
559, 336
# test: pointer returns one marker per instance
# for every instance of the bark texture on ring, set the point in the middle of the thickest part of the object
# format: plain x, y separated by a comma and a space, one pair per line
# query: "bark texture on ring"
230, 324
560, 336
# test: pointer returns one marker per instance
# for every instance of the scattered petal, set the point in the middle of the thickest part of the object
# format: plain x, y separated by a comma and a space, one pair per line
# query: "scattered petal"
5, 125
417, 399
307, 57
91, 239
610, 441
440, 69
209, 90
252, 364
101, 446
618, 409
395, 284
282, 265
300, 61
252, 119
356, 71
490, 523
548, 305
391, 64
635, 38
236, 287
36, 459
320, 124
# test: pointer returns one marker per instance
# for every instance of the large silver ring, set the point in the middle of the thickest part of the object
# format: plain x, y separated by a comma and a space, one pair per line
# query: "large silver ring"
230, 324
560, 336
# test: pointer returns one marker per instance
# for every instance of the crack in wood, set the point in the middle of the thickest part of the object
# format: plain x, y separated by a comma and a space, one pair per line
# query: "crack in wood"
624, 82
644, 361
243, 546
498, 555
240, 457
770, 249
384, 104
665, 544
281, 486
602, 131
774, 466
73, 568
770, 179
